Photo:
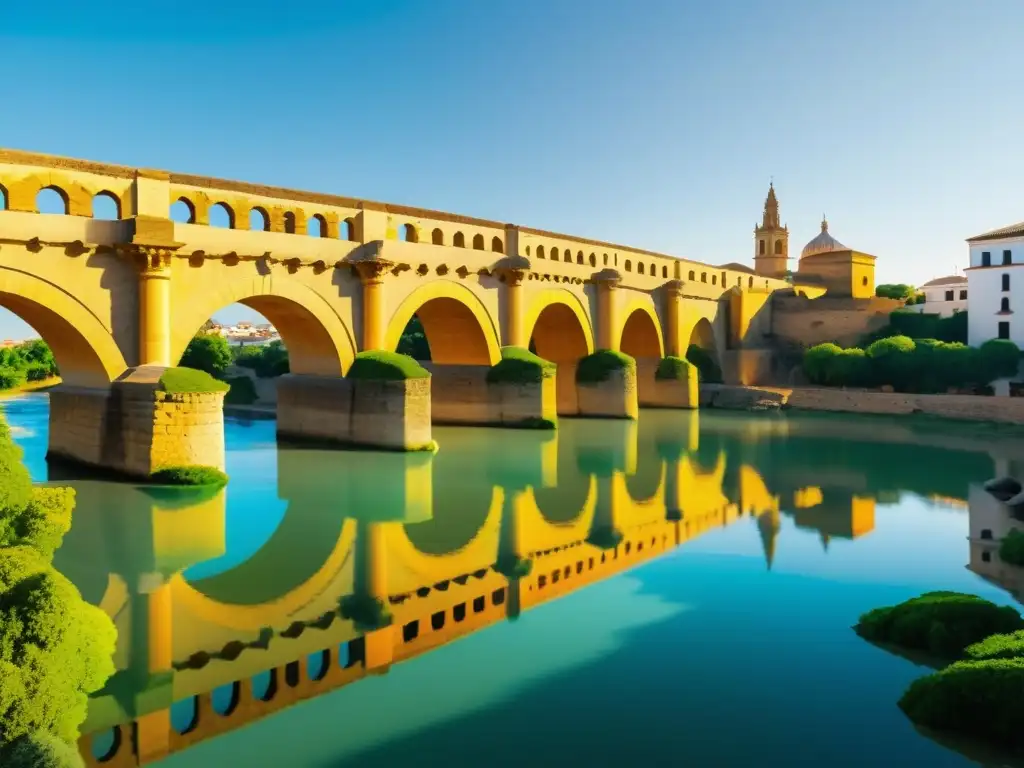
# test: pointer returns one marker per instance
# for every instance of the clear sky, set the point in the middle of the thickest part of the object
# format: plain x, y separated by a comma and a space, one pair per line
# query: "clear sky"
652, 123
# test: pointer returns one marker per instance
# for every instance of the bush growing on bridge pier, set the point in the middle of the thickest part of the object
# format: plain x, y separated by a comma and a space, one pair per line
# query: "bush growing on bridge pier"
520, 366
674, 369
191, 475
386, 366
55, 648
707, 367
598, 367
190, 381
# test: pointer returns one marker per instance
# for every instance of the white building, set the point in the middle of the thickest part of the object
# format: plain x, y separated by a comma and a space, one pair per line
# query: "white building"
943, 296
995, 275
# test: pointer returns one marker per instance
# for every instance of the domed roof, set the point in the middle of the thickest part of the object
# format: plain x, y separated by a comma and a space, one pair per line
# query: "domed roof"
823, 243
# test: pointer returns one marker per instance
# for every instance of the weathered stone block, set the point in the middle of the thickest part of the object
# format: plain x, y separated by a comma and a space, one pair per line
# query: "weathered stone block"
615, 397
524, 404
392, 414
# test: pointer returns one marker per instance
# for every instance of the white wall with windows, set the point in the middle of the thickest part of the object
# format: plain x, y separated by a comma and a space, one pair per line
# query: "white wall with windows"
943, 296
995, 287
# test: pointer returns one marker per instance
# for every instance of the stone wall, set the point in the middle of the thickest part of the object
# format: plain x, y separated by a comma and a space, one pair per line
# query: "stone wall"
615, 397
805, 322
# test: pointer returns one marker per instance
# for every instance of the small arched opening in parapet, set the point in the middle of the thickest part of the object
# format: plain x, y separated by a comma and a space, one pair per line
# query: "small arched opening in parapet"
222, 216
559, 331
567, 257
724, 279
692, 275
185, 715
497, 246
714, 279
554, 254
639, 267
579, 257
52, 199
259, 219
593, 260
437, 237
106, 206
605, 260
478, 242
664, 272
445, 323
316, 226
4, 205
750, 282
540, 251
347, 230
183, 211
289, 222
629, 265
654, 270
527, 250
641, 337
459, 241
702, 351
703, 277
407, 233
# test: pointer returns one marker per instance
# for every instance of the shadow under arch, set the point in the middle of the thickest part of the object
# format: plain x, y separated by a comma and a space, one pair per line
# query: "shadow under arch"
83, 347
458, 327
563, 503
318, 341
558, 329
641, 335
702, 335
549, 525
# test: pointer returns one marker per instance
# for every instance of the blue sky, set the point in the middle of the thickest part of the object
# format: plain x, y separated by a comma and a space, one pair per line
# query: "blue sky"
653, 123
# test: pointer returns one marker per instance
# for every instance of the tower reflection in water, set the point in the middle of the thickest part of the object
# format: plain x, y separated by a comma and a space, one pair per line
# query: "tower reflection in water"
381, 557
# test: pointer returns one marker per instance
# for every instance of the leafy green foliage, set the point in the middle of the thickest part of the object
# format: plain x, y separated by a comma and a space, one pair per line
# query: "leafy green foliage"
980, 699
242, 392
209, 352
267, 360
513, 567
189, 380
520, 366
1003, 646
919, 325
674, 369
40, 749
597, 367
31, 361
999, 358
939, 623
892, 360
707, 366
368, 613
55, 648
899, 291
386, 366
10, 378
1011, 548
190, 475
414, 341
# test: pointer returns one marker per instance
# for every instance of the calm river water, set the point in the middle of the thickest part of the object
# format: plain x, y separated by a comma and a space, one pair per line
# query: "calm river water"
691, 587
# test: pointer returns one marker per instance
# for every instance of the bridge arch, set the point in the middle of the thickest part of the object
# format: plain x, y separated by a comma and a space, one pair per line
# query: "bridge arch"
558, 325
709, 360
641, 335
318, 340
458, 327
83, 347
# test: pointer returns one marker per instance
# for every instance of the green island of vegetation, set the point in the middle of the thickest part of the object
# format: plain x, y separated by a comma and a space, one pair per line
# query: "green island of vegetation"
674, 369
195, 476
184, 380
707, 368
598, 367
55, 648
386, 366
979, 648
520, 366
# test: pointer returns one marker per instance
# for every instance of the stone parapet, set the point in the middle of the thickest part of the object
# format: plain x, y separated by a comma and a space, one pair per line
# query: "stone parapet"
615, 397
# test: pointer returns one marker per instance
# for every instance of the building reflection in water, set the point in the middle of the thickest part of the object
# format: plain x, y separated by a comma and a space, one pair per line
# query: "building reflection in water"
382, 557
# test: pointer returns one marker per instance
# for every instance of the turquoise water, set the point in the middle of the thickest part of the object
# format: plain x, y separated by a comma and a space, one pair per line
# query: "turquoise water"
700, 655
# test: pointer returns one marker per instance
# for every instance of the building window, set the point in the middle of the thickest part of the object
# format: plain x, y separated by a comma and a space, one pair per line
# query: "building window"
949, 295
1004, 330
760, 248
986, 259
1006, 282
1007, 257
863, 281
1004, 304
963, 295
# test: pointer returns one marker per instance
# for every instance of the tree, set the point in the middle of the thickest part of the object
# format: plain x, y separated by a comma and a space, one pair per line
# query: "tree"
899, 291
414, 341
208, 352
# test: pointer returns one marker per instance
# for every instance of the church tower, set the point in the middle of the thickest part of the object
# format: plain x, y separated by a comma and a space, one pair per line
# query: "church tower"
771, 241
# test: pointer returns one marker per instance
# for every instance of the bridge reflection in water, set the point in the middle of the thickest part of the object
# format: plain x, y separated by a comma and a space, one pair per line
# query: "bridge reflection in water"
382, 557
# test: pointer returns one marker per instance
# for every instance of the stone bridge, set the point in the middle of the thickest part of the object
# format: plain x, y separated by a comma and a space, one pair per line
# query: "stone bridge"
119, 298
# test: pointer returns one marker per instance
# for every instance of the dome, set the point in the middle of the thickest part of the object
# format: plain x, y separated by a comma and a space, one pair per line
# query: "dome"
823, 243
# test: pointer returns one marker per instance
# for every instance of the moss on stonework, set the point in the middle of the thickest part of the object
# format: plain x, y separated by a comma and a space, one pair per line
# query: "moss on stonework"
191, 476
674, 369
386, 366
190, 381
534, 422
520, 366
598, 367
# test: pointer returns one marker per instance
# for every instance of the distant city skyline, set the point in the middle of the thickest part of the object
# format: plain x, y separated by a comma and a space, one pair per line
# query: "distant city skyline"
658, 130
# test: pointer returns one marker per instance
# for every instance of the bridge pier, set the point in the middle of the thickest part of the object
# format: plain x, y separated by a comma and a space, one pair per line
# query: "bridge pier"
135, 428
462, 394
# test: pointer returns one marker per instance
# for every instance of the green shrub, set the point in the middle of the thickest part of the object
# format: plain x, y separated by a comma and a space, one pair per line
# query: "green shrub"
512, 567
894, 291
15, 482
247, 356
893, 362
42, 522
599, 366
520, 366
1011, 548
817, 361
674, 369
366, 612
208, 352
953, 328
1009, 645
40, 749
939, 623
11, 378
195, 475
605, 537
707, 367
979, 699
998, 359
386, 366
850, 368
242, 392
37, 372
414, 341
190, 380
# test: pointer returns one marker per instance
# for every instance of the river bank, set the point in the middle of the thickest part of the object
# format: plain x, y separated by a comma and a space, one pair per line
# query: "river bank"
31, 386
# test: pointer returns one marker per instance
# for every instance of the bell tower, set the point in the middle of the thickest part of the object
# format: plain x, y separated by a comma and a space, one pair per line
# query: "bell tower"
771, 241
